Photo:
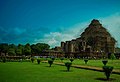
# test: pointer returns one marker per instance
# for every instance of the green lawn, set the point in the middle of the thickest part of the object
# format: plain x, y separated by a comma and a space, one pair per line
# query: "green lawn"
96, 63
32, 72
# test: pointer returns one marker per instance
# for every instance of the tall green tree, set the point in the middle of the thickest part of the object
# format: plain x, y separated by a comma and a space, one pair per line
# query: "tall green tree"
43, 46
39, 47
4, 48
11, 52
12, 46
27, 49
19, 50
11, 49
33, 49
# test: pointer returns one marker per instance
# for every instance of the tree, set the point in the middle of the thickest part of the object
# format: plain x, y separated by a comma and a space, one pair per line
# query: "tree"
33, 49
12, 46
112, 56
19, 50
4, 48
42, 46
85, 60
108, 71
68, 65
50, 62
71, 59
38, 60
39, 47
104, 62
11, 52
27, 49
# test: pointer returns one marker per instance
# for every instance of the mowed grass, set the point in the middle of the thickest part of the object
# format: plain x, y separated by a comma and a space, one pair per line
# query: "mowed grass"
95, 63
32, 72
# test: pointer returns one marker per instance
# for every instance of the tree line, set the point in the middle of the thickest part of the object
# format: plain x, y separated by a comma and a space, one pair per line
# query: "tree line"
20, 50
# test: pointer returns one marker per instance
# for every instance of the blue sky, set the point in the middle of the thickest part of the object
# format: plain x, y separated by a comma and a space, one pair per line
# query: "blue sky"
53, 21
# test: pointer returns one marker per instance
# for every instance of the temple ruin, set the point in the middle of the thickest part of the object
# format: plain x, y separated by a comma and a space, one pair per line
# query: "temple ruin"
95, 41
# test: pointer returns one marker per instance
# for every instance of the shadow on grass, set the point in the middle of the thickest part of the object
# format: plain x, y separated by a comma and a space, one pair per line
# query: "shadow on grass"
66, 71
104, 79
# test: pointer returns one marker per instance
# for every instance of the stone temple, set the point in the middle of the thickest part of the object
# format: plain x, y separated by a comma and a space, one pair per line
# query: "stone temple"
95, 41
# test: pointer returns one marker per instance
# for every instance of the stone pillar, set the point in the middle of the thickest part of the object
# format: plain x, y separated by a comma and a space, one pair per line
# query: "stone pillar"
63, 46
84, 45
67, 46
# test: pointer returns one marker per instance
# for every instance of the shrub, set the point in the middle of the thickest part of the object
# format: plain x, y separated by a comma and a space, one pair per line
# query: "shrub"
112, 56
104, 62
50, 62
108, 71
32, 59
71, 59
68, 65
86, 60
38, 60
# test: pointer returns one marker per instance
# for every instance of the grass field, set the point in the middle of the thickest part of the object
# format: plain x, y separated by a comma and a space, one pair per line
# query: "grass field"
32, 72
96, 63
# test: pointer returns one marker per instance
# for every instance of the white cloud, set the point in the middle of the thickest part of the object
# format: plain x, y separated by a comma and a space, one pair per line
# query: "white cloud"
112, 23
55, 38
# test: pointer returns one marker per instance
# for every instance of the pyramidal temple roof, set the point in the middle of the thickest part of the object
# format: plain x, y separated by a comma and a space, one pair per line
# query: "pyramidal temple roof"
95, 29
95, 22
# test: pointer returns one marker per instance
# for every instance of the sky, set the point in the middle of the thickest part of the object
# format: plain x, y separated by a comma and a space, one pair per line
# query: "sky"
53, 21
